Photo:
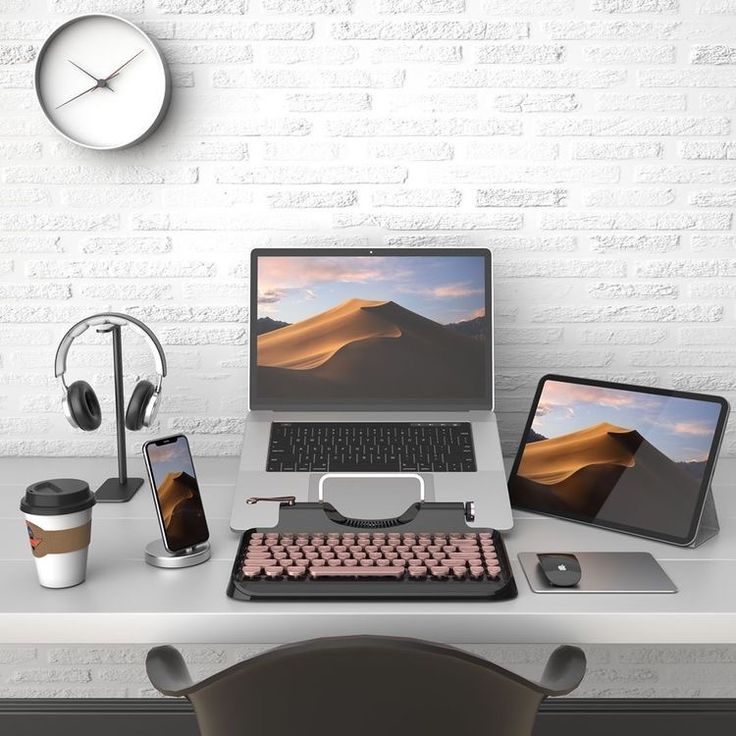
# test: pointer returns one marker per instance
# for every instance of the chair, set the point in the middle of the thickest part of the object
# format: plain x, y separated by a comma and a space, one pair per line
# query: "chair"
365, 686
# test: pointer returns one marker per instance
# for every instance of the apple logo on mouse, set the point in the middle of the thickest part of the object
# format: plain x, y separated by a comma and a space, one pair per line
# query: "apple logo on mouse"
560, 570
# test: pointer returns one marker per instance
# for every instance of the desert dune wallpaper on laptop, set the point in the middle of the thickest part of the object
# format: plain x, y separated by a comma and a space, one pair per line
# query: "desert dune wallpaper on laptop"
337, 327
616, 456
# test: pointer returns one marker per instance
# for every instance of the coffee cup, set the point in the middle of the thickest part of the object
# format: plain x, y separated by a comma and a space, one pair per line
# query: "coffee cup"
58, 517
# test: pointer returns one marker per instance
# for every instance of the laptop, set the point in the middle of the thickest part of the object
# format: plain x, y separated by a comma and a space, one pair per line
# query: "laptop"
371, 362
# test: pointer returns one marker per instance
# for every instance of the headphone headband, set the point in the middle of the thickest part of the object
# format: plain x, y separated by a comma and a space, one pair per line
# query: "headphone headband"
110, 318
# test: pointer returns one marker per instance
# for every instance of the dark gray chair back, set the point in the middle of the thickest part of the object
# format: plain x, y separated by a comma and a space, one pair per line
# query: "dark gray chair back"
365, 686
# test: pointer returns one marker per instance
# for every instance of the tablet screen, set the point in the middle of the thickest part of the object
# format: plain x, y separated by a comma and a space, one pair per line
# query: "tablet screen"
625, 457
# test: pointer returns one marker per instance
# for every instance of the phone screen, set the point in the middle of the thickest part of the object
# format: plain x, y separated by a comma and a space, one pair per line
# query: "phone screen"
177, 492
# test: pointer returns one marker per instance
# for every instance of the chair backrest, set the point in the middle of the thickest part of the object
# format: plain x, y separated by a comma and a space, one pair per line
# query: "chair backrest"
370, 686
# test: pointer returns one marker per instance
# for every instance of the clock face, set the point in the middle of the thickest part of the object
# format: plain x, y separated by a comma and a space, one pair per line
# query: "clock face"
102, 82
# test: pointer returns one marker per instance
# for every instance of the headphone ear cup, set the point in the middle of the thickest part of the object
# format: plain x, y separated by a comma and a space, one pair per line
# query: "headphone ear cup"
84, 408
136, 414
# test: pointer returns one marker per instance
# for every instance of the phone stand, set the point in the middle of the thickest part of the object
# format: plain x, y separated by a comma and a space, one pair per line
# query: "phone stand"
158, 556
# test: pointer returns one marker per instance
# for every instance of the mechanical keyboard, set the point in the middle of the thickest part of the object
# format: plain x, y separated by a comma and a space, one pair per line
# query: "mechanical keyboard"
316, 552
355, 447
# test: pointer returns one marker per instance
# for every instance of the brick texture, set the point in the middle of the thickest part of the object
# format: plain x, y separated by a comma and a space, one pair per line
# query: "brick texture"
589, 143
614, 671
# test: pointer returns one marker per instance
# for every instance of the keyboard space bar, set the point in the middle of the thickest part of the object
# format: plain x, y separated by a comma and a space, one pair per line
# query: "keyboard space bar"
356, 572
364, 468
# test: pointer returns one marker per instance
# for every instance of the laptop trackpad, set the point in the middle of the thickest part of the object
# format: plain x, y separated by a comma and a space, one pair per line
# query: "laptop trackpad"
369, 496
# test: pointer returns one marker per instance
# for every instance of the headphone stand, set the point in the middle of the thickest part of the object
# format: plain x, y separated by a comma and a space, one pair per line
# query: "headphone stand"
122, 488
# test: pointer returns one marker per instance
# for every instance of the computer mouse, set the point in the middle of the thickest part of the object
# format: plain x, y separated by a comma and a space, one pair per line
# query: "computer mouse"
561, 570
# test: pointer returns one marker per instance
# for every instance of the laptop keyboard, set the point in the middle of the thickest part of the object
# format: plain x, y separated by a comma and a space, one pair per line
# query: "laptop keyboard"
372, 447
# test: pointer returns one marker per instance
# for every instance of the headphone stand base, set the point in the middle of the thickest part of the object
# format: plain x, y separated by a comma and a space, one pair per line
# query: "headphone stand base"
113, 491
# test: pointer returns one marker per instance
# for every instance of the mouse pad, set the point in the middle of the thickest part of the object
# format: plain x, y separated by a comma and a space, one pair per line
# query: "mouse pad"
604, 572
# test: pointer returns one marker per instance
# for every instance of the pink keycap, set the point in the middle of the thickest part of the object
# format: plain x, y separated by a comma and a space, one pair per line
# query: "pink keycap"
252, 571
464, 556
360, 572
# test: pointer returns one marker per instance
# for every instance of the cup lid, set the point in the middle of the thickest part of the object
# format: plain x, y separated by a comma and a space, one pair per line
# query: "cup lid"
58, 496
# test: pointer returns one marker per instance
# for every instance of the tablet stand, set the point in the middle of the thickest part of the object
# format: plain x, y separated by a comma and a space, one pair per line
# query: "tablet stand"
708, 526
122, 488
158, 556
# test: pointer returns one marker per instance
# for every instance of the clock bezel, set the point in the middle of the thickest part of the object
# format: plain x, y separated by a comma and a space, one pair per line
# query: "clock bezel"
162, 60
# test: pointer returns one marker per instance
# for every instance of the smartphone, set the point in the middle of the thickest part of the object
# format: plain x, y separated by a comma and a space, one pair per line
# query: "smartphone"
175, 492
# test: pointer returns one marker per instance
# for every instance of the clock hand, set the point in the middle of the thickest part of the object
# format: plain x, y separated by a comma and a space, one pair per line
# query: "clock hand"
91, 76
117, 71
76, 96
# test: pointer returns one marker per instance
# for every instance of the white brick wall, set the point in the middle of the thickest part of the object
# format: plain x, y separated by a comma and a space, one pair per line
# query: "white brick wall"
616, 671
588, 142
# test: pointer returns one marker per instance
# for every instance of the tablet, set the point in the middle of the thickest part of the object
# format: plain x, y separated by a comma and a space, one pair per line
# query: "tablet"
630, 458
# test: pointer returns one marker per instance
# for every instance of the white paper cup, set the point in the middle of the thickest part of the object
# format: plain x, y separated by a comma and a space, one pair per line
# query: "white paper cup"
64, 569
58, 516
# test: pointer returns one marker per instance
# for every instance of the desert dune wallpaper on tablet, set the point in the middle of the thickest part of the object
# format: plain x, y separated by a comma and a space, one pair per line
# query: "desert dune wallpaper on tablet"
350, 327
616, 456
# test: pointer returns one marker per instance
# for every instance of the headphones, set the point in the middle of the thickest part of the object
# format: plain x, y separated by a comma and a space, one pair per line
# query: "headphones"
81, 407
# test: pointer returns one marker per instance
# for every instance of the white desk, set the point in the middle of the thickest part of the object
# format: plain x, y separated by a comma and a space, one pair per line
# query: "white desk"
126, 601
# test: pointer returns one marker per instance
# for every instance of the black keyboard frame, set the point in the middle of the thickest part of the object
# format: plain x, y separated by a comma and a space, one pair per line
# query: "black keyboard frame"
420, 517
462, 427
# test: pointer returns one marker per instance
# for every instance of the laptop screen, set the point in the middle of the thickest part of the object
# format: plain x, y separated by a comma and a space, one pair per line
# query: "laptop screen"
371, 329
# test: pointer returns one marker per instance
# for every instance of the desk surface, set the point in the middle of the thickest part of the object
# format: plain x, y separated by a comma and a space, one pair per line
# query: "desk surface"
126, 601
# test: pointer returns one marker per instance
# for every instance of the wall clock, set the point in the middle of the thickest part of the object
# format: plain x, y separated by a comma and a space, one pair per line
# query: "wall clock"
102, 82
